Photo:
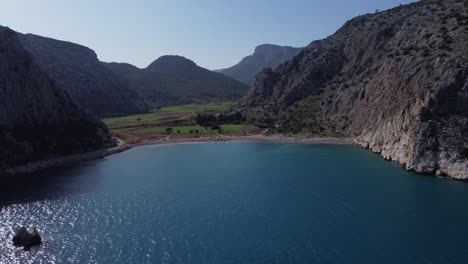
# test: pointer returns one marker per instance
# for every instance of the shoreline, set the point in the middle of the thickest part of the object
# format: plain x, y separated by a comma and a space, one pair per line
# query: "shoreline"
36, 166
279, 139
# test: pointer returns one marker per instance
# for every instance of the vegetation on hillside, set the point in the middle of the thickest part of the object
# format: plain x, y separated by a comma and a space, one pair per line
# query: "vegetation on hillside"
175, 80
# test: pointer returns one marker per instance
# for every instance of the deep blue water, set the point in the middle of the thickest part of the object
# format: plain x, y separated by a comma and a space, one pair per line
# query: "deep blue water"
238, 203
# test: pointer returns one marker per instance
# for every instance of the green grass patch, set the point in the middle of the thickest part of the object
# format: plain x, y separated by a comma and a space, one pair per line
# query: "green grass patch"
235, 129
167, 115
134, 120
198, 108
184, 130
162, 130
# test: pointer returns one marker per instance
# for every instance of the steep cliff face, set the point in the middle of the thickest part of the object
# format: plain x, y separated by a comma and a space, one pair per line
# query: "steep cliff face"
395, 81
38, 120
77, 70
172, 80
264, 56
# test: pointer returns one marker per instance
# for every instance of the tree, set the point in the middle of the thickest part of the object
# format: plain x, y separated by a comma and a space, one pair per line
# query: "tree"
169, 130
215, 127
206, 120
178, 131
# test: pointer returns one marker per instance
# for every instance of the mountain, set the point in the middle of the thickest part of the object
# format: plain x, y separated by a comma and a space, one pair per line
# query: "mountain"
77, 70
265, 56
37, 118
172, 80
395, 81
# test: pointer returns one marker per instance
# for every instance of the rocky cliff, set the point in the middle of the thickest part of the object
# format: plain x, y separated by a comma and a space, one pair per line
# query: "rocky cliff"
172, 80
395, 81
38, 120
264, 56
77, 70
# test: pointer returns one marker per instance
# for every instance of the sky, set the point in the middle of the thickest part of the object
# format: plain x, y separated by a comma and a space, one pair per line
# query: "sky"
214, 33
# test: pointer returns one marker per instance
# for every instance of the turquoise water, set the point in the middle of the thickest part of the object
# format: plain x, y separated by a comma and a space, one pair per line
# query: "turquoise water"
238, 203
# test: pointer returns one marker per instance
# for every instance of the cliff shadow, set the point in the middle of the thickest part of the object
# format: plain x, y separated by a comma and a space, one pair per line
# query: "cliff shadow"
51, 184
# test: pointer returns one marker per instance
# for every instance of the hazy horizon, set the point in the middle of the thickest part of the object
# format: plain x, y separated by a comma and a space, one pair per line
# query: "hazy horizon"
139, 33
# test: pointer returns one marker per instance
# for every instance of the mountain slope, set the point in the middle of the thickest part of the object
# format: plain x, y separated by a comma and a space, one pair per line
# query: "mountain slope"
172, 80
38, 119
77, 70
395, 81
265, 56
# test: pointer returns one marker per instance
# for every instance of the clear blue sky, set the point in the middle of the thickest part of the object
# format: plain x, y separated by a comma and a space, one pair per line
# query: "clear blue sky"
213, 33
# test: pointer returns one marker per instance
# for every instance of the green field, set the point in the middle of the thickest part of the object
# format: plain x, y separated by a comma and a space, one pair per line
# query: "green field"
171, 114
184, 130
180, 118
175, 130
234, 129
199, 108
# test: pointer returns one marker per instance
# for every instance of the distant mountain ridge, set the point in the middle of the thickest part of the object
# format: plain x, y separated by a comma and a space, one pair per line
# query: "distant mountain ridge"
264, 56
78, 71
172, 80
38, 119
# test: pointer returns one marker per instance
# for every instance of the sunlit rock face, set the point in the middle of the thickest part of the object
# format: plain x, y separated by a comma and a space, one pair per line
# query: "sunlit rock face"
395, 81
264, 56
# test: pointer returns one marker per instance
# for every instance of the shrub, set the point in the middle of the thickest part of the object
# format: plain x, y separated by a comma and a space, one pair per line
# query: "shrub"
215, 127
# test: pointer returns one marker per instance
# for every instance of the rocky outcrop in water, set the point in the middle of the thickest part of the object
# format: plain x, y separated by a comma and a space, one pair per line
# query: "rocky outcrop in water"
395, 81
77, 70
39, 120
27, 239
173, 80
265, 56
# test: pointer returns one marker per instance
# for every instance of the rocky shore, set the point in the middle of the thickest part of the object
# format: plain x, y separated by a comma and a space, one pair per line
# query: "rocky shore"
36, 166
395, 81
33, 167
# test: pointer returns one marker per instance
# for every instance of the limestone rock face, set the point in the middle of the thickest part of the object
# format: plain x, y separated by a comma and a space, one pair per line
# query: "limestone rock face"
38, 119
395, 81
265, 56
77, 70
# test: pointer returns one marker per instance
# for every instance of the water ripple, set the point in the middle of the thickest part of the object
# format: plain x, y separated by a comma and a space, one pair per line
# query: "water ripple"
259, 203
